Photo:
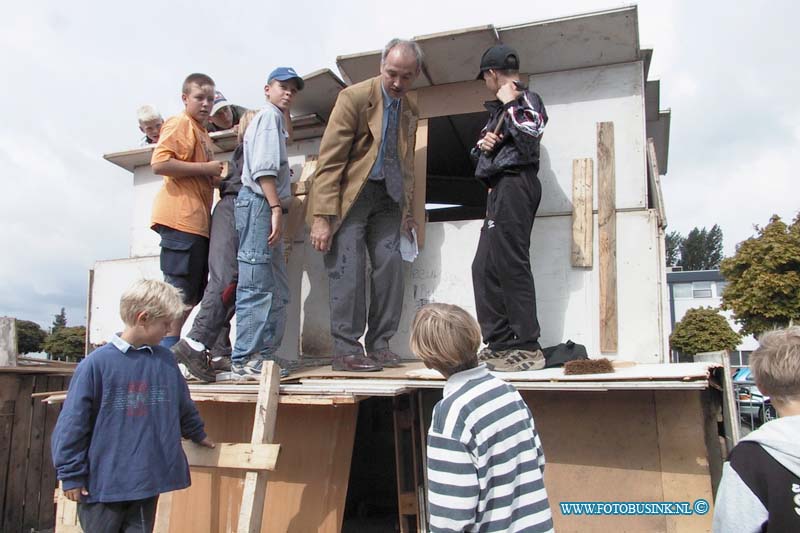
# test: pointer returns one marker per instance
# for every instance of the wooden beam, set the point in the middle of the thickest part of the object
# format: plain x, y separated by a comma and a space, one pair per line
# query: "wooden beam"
255, 483
233, 455
452, 99
582, 219
729, 412
607, 237
163, 513
420, 179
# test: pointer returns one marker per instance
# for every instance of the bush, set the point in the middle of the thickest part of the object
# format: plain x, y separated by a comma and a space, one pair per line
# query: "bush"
703, 330
66, 343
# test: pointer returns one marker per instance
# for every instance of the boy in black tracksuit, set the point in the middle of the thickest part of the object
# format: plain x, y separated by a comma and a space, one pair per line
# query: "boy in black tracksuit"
508, 163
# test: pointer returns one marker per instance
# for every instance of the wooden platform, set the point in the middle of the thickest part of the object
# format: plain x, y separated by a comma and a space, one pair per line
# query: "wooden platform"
645, 433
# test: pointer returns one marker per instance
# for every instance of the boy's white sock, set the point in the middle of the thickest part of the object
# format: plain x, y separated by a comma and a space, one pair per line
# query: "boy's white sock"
196, 345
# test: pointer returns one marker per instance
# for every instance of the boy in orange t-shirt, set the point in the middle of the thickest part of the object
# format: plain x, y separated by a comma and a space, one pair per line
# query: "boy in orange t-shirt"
182, 208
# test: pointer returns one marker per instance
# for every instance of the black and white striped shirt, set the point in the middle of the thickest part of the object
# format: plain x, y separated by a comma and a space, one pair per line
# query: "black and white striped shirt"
485, 459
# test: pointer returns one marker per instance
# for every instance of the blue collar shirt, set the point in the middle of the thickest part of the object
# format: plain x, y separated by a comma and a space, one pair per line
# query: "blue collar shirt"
390, 105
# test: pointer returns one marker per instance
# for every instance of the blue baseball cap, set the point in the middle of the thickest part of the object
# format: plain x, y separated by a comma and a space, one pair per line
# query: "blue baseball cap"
286, 73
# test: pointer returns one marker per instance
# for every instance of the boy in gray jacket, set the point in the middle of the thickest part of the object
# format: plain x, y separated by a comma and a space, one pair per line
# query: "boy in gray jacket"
262, 292
760, 486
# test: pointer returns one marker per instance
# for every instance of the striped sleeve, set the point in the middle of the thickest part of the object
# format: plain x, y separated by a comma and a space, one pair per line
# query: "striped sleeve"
452, 485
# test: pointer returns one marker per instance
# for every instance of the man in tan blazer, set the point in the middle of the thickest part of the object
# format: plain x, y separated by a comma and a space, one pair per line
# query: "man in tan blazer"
361, 199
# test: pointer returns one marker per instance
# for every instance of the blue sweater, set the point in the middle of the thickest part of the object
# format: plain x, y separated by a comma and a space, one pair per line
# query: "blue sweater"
119, 432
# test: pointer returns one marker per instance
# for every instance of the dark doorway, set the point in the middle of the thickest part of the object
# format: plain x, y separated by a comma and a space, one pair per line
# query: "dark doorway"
451, 179
371, 504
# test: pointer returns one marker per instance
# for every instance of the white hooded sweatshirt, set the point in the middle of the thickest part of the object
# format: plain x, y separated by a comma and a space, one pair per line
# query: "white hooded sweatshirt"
760, 486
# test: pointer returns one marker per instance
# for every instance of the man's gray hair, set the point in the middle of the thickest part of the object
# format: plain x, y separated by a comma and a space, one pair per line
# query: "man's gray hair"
146, 113
408, 44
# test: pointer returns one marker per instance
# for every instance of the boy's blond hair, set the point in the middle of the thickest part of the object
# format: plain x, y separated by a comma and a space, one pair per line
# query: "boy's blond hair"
446, 338
156, 298
148, 113
776, 364
244, 121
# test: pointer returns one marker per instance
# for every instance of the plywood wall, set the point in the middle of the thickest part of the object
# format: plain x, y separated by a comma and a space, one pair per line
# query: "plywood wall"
626, 446
567, 298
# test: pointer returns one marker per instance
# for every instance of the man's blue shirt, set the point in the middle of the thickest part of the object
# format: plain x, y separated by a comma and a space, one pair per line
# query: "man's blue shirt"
377, 168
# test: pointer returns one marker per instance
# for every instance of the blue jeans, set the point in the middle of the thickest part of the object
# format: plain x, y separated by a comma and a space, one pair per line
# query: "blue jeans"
262, 293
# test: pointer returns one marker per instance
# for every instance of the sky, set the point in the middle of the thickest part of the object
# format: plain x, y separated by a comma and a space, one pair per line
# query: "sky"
76, 72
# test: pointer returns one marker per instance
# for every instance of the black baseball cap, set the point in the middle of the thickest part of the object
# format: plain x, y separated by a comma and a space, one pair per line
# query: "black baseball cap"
499, 57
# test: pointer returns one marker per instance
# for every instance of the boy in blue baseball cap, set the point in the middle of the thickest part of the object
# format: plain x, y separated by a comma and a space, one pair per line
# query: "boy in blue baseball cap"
262, 293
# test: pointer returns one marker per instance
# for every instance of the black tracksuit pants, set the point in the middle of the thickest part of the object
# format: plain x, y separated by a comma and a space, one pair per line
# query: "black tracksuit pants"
505, 296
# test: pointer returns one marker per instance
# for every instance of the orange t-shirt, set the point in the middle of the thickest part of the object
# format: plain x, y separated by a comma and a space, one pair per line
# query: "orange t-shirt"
183, 203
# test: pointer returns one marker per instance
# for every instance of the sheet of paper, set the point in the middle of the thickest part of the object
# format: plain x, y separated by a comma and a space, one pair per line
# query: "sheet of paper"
408, 248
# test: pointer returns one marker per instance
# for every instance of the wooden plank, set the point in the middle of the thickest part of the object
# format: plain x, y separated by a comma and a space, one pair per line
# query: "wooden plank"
607, 237
420, 179
452, 99
70, 516
38, 369
33, 476
57, 397
47, 507
730, 414
303, 399
233, 455
655, 183
684, 458
161, 522
582, 219
15, 490
255, 483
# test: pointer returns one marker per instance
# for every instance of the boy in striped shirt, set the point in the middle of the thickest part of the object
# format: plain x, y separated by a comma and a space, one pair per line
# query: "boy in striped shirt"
485, 459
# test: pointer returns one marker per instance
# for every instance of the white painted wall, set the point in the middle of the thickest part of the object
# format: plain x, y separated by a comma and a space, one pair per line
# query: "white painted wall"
111, 278
576, 101
567, 298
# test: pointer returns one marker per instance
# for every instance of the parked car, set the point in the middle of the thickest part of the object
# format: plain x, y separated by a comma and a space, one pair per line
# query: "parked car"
754, 407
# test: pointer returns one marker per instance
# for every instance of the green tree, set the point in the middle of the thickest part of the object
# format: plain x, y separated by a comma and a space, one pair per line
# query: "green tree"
703, 329
66, 343
673, 241
59, 321
702, 249
764, 278
713, 248
30, 336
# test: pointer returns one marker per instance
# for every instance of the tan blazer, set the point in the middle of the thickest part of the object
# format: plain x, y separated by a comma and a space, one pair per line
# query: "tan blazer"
350, 147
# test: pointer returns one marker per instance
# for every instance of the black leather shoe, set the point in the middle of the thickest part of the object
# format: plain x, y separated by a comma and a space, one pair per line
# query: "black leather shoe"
386, 358
354, 363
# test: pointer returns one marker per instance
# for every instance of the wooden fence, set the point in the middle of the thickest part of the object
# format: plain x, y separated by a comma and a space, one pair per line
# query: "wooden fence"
27, 477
